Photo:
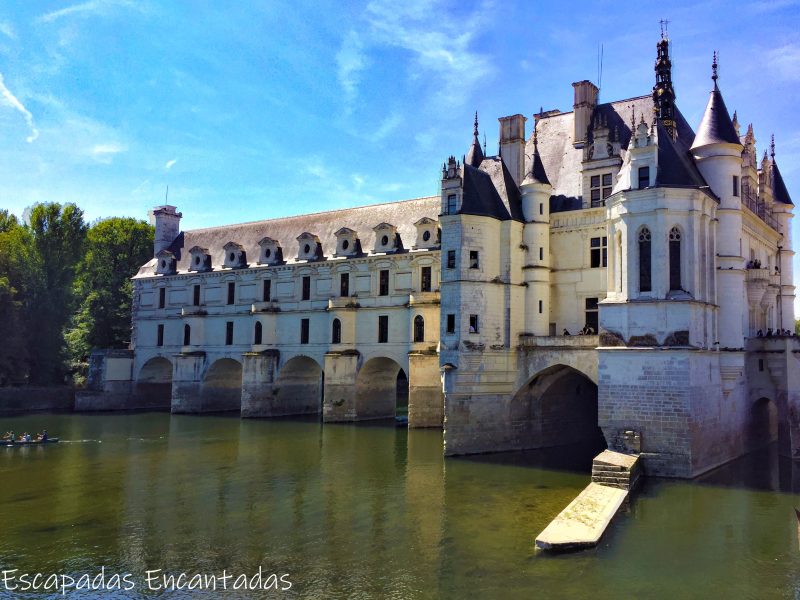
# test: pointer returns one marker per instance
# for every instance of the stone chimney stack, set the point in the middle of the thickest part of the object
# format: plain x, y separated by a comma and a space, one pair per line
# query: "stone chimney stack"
512, 145
167, 221
585, 101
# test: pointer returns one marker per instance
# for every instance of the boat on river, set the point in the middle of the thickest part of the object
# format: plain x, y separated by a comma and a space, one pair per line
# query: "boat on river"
10, 443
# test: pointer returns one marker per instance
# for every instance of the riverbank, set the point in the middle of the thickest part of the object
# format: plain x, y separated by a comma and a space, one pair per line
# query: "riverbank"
24, 399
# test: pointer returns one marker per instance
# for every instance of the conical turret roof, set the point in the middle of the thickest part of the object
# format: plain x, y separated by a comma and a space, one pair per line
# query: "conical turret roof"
779, 191
716, 126
474, 155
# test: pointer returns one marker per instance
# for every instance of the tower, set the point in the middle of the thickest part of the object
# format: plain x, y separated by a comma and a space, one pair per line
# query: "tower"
536, 191
663, 92
783, 210
717, 152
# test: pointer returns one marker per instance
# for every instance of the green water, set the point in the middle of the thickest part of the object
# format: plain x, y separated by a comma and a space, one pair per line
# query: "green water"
372, 512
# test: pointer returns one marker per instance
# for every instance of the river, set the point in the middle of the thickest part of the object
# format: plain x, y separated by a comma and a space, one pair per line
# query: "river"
373, 511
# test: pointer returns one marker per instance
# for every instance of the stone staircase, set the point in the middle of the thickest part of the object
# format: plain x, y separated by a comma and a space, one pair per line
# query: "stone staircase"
617, 470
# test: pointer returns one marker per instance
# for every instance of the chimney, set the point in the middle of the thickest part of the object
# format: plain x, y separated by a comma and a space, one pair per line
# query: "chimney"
585, 101
512, 145
167, 221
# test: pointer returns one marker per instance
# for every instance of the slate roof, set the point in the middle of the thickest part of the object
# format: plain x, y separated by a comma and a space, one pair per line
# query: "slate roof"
779, 191
716, 126
562, 162
676, 168
536, 173
285, 230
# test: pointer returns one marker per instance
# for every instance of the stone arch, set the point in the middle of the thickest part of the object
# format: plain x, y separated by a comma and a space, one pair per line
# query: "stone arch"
298, 387
377, 388
762, 423
154, 383
557, 407
221, 389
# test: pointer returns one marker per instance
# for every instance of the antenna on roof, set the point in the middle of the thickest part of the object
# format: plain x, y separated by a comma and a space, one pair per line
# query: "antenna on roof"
166, 196
600, 68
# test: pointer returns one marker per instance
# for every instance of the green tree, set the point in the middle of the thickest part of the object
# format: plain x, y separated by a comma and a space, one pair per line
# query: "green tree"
59, 234
17, 282
115, 249
797, 327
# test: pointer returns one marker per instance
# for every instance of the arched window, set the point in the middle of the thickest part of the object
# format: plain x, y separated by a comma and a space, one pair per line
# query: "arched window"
675, 259
258, 335
644, 260
187, 335
336, 332
419, 329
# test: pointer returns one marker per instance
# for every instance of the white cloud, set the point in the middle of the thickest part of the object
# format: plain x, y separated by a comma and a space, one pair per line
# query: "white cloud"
358, 181
8, 30
387, 126
785, 61
350, 61
86, 8
170, 164
105, 152
10, 100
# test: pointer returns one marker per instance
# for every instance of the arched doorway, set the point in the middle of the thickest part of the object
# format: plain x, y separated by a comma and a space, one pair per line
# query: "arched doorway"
558, 407
401, 395
298, 388
222, 387
762, 427
379, 384
154, 384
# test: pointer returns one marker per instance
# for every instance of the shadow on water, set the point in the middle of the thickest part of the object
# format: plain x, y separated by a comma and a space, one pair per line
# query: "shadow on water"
761, 470
576, 458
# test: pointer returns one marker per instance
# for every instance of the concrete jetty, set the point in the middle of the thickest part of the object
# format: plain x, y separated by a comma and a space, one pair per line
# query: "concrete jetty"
582, 523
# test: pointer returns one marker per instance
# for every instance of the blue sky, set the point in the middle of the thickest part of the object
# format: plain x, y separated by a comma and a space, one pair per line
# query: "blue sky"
250, 110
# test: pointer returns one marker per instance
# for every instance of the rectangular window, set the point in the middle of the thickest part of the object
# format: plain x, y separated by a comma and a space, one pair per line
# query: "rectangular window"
229, 333
474, 262
541, 208
266, 291
473, 324
160, 335
425, 279
452, 204
383, 329
451, 259
591, 316
598, 252
344, 285
383, 283
304, 325
541, 253
162, 297
231, 292
600, 189
551, 329
541, 306
451, 323
644, 177
196, 296
306, 288
736, 185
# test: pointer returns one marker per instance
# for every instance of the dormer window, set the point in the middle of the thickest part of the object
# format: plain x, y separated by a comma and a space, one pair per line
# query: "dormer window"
386, 238
166, 263
644, 177
601, 186
200, 259
427, 233
347, 243
235, 256
309, 247
452, 204
271, 252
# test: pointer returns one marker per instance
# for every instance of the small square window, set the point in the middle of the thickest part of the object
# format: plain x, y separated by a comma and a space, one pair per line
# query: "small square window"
425, 276
644, 177
474, 262
473, 324
451, 323
451, 259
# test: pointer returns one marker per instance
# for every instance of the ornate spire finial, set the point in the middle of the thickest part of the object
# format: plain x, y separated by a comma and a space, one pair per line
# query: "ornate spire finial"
714, 66
664, 28
484, 143
535, 137
633, 117
475, 131
772, 147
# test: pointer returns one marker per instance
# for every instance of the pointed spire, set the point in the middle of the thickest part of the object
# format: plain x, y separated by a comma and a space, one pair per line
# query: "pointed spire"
772, 147
716, 126
663, 92
736, 122
536, 172
475, 155
714, 66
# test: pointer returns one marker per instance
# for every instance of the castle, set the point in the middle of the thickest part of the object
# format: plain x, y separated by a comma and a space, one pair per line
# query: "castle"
614, 276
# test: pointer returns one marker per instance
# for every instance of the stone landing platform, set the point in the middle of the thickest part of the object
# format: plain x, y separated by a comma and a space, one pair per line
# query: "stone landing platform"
582, 523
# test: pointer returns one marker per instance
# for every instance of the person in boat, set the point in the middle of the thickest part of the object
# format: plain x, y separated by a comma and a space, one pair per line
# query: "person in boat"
28, 437
43, 436
9, 436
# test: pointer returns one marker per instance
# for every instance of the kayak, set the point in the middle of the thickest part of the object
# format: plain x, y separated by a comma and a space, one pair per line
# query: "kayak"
31, 443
